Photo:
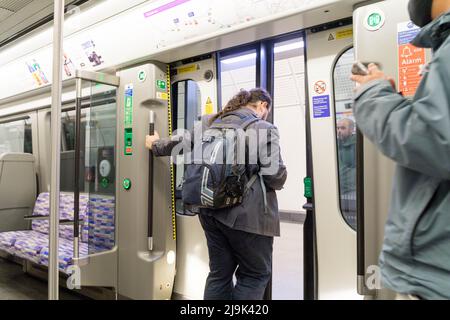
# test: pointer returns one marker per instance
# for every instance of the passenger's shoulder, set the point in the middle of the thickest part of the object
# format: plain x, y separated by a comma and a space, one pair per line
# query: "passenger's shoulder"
261, 124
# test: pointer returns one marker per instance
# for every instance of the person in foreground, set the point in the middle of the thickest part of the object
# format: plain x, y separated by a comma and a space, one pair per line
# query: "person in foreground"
415, 259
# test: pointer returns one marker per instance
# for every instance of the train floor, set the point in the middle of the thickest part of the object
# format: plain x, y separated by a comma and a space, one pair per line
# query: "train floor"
288, 263
17, 285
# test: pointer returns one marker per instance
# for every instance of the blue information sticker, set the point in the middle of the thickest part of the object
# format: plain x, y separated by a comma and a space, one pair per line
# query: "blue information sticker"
321, 106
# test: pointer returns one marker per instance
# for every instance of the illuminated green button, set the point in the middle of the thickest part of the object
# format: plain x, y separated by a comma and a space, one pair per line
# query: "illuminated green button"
127, 184
105, 183
374, 20
308, 188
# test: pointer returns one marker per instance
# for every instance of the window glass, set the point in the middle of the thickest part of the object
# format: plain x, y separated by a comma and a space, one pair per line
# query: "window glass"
346, 136
238, 71
188, 109
289, 117
98, 140
16, 136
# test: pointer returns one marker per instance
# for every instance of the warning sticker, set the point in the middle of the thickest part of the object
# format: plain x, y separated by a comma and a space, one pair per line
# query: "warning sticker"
320, 87
410, 59
321, 106
344, 34
162, 96
209, 109
188, 69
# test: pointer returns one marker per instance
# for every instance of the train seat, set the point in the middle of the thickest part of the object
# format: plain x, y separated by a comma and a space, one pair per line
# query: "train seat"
29, 244
8, 239
29, 247
66, 209
65, 258
97, 213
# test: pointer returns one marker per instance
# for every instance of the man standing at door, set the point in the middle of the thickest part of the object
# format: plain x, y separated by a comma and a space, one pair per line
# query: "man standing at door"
415, 259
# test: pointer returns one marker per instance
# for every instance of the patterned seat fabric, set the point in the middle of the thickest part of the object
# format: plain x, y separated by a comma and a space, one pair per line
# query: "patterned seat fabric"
100, 225
8, 239
98, 230
66, 212
30, 246
65, 254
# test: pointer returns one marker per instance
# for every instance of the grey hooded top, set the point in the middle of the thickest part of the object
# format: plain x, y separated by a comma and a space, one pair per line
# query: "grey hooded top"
415, 134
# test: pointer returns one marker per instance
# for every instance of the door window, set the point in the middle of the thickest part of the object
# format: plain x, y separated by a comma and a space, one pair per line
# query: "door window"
238, 71
16, 136
187, 106
346, 136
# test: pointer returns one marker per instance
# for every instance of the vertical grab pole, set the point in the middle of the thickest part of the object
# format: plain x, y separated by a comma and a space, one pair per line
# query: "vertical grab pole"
76, 207
150, 184
53, 276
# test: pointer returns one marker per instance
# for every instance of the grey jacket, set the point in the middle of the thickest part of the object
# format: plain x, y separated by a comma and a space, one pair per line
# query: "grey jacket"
250, 216
416, 134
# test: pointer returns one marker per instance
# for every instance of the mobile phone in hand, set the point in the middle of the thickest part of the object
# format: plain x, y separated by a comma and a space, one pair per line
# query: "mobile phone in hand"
360, 69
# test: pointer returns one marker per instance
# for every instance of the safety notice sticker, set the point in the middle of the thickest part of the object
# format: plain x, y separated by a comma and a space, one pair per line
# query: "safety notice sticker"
321, 106
410, 59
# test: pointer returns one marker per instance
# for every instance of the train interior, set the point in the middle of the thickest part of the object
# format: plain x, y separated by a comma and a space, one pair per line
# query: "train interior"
112, 245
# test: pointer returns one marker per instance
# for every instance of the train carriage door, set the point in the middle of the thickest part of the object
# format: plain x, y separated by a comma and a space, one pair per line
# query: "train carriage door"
333, 152
194, 93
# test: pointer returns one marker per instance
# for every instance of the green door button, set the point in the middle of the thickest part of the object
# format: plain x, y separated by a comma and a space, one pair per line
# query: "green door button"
127, 184
308, 188
104, 183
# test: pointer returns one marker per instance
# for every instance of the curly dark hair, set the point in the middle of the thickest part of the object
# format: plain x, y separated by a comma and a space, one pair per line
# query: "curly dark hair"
242, 99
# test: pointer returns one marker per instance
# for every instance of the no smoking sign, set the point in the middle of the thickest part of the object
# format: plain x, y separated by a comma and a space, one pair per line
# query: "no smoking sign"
320, 87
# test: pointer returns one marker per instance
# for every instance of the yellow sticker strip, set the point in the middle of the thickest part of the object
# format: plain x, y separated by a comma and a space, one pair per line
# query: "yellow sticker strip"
344, 34
188, 69
172, 169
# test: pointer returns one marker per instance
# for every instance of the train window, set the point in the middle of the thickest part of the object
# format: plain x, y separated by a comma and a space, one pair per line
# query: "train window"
289, 117
188, 109
16, 136
238, 71
346, 136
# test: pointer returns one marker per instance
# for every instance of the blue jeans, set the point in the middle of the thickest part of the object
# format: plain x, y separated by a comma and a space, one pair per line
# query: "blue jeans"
247, 255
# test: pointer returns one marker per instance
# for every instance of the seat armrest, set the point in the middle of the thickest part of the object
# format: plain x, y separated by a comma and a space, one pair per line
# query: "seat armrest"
42, 218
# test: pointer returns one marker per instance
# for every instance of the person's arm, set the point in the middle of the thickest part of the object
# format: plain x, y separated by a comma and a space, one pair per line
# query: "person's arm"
163, 147
271, 163
182, 141
414, 134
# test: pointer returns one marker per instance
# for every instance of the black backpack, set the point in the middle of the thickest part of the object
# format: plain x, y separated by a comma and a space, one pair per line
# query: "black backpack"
210, 182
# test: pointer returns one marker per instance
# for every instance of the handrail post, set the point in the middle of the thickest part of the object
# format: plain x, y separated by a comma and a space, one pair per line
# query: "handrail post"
58, 38
76, 215
150, 185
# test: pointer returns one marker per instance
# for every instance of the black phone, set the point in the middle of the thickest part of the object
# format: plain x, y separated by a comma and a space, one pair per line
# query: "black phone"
362, 68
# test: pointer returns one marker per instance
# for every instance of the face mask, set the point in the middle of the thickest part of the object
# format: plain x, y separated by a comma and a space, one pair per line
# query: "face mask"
420, 12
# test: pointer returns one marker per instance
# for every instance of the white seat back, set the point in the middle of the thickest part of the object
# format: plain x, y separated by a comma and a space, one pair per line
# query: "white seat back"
17, 189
